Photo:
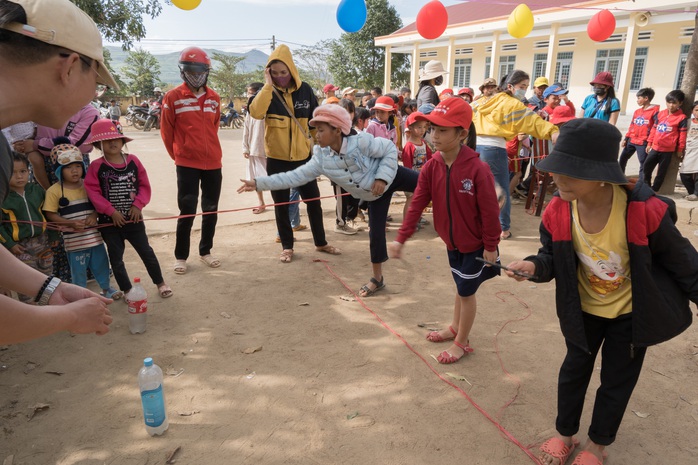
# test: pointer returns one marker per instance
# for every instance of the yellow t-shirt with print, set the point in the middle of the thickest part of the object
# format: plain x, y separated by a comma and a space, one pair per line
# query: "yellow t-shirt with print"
603, 270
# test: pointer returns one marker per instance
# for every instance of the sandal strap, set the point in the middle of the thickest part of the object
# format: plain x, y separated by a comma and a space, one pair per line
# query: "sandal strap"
466, 347
453, 331
376, 282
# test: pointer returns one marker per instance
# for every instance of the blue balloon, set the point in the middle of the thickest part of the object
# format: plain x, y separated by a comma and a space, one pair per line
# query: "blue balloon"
351, 15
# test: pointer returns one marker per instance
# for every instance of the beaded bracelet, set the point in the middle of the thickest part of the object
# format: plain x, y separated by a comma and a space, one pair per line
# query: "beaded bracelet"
43, 288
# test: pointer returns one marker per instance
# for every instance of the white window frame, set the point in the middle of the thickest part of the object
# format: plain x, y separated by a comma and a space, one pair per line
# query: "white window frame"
462, 72
563, 68
506, 65
540, 63
610, 60
638, 75
681, 68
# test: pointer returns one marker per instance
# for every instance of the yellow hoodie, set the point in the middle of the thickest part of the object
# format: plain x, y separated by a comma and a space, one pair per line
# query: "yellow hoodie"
505, 116
284, 139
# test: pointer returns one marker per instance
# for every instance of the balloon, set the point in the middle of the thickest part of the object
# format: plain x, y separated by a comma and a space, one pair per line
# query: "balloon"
351, 15
520, 23
186, 4
432, 20
601, 26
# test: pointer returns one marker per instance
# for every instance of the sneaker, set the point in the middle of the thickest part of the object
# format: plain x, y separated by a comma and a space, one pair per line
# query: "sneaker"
345, 229
112, 293
692, 197
300, 227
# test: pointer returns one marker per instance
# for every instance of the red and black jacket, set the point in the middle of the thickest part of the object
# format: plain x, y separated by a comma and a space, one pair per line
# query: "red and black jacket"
663, 268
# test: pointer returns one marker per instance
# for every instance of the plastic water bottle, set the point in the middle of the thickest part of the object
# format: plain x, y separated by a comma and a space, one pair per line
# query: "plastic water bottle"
137, 307
152, 398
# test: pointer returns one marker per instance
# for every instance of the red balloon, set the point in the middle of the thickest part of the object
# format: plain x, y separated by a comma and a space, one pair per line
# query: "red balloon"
432, 20
601, 26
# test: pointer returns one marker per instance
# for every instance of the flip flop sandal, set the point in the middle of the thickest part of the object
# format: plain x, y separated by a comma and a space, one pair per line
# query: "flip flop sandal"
330, 249
435, 336
556, 448
258, 210
210, 261
286, 256
368, 291
165, 291
446, 358
586, 458
180, 267
506, 236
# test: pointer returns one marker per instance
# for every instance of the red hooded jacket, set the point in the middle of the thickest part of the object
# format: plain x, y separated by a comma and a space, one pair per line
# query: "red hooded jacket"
669, 132
466, 212
642, 124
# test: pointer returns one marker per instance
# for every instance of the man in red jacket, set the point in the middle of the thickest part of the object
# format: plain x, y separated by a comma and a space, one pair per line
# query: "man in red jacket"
190, 118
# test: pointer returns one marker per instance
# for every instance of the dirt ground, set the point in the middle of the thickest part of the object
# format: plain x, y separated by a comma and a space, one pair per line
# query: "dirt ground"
336, 381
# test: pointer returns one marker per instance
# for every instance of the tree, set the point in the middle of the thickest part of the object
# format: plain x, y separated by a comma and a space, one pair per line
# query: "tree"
355, 60
120, 20
142, 70
224, 76
122, 86
313, 63
688, 86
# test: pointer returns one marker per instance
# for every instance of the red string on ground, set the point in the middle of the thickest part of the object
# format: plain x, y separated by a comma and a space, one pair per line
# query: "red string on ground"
501, 428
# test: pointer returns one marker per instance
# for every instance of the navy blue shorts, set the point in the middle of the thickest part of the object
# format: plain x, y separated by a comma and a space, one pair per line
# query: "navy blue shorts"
469, 273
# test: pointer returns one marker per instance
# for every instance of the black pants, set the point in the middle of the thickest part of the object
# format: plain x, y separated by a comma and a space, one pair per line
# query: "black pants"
689, 181
347, 206
628, 152
406, 181
654, 158
116, 238
620, 370
307, 191
188, 181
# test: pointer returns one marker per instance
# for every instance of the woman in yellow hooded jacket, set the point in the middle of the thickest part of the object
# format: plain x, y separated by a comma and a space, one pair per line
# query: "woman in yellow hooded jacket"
499, 118
286, 104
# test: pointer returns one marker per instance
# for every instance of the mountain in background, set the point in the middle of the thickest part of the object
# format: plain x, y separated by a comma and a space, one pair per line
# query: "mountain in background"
169, 70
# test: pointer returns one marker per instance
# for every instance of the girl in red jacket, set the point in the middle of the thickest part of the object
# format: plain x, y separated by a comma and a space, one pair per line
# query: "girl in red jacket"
466, 216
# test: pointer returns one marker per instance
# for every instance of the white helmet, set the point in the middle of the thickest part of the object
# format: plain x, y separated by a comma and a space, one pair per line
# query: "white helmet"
157, 89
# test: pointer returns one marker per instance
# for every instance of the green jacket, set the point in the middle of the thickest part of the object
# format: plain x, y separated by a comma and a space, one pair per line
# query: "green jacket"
17, 213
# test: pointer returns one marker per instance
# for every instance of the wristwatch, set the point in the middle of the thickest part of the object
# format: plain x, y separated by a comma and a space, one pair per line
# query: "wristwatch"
48, 292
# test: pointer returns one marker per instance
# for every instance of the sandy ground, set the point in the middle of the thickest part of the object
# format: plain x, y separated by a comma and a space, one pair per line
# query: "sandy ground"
336, 381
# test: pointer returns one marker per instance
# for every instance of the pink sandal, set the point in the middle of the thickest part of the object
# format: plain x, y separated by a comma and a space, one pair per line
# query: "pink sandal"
434, 336
555, 447
446, 358
586, 458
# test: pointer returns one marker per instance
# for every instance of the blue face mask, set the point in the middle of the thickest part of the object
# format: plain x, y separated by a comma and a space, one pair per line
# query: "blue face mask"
520, 94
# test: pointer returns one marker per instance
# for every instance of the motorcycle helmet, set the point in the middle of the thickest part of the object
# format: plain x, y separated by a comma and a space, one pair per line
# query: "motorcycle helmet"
157, 89
194, 65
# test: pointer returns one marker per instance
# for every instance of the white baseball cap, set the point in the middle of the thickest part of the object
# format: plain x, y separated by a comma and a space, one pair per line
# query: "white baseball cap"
61, 23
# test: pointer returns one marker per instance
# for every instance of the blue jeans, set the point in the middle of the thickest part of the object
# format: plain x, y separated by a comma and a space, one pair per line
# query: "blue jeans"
496, 157
94, 258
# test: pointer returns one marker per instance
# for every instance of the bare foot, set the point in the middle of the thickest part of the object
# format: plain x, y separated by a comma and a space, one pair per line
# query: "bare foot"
556, 450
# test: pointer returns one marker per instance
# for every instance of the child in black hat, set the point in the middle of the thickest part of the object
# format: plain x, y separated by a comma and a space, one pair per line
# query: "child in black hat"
624, 276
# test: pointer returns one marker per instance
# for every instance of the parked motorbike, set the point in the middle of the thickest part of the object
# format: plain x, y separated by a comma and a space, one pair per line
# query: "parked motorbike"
153, 119
231, 118
137, 115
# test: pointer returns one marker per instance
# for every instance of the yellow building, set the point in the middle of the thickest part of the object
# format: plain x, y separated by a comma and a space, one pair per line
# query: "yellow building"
647, 49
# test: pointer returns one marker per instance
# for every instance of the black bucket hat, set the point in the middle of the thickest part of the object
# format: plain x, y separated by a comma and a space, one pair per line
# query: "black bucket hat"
586, 149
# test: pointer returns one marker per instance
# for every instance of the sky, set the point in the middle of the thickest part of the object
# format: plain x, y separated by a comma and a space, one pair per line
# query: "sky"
243, 25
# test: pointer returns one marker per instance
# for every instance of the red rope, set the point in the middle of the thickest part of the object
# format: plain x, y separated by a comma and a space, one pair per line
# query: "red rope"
501, 428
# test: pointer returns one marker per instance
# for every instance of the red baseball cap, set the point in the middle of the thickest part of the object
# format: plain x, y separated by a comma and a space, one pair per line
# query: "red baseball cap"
384, 103
466, 90
329, 88
562, 114
446, 91
412, 118
454, 112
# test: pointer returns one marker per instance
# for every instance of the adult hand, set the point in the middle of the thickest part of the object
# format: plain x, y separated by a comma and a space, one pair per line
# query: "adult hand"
66, 293
91, 220
88, 316
554, 137
624, 142
247, 186
118, 219
520, 265
378, 187
267, 77
135, 214
395, 250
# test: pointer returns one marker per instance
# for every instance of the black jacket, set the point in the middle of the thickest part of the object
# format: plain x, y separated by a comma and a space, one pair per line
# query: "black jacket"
663, 268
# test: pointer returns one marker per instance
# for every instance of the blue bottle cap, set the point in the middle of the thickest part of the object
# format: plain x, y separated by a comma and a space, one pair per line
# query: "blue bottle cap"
148, 362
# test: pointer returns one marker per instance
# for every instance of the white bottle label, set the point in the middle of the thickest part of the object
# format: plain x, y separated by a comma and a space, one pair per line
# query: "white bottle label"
138, 306
153, 407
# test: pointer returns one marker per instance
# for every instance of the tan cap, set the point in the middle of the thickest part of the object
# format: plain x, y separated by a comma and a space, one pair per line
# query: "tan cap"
489, 82
60, 23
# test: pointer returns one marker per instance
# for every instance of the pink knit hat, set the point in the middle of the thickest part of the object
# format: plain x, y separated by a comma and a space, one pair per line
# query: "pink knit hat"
334, 115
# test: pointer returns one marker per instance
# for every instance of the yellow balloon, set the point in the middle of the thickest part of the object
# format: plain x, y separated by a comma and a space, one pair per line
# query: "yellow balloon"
186, 4
520, 23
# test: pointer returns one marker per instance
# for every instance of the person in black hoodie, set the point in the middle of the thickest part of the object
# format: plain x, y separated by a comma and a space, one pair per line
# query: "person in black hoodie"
624, 276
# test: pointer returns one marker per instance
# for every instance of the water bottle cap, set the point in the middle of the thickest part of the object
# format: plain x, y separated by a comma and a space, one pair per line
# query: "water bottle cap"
148, 362
136, 280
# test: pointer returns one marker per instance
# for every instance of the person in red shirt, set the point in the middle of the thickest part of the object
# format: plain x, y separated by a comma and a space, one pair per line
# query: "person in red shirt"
191, 114
554, 96
639, 130
466, 217
668, 135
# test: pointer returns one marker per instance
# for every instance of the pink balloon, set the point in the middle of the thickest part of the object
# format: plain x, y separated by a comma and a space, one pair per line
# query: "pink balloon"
601, 26
432, 20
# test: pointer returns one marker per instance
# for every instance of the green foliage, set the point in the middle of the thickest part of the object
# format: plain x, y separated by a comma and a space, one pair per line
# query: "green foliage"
120, 20
224, 77
312, 63
122, 86
142, 71
355, 60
